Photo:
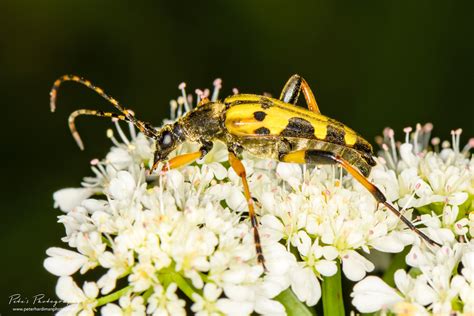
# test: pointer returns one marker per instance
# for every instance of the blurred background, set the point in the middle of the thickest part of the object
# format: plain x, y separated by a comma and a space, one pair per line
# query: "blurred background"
371, 64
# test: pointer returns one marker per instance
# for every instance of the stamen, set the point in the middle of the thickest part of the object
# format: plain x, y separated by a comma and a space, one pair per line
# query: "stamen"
132, 130
110, 134
390, 161
458, 133
182, 87
386, 131
391, 136
415, 138
235, 91
412, 196
435, 142
180, 106
173, 108
469, 145
445, 144
453, 137
101, 167
427, 128
206, 93
121, 133
94, 161
190, 99
199, 94
407, 131
379, 140
217, 86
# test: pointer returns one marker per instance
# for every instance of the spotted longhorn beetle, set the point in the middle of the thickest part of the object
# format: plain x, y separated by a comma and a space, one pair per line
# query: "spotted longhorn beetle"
263, 126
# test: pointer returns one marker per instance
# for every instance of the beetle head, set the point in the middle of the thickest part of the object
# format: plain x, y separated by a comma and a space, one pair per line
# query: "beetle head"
167, 140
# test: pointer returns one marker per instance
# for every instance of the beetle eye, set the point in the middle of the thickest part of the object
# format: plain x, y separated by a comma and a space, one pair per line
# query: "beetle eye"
166, 140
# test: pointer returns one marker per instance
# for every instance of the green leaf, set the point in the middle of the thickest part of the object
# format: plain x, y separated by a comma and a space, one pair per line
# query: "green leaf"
292, 304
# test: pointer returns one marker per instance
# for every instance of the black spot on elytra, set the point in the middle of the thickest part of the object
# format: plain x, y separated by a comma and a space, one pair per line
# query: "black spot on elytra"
259, 115
262, 131
335, 135
298, 127
362, 145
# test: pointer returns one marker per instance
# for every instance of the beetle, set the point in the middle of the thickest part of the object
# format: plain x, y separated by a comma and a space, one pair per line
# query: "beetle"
263, 126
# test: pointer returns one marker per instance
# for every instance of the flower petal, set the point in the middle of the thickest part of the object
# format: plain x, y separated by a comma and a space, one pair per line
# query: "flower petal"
68, 291
372, 294
63, 262
67, 199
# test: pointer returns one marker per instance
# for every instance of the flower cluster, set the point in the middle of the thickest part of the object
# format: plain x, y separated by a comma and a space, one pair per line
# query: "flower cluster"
439, 281
179, 241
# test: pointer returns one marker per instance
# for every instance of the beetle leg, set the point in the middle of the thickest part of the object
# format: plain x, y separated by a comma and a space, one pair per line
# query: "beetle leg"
185, 159
291, 92
240, 171
325, 157
145, 128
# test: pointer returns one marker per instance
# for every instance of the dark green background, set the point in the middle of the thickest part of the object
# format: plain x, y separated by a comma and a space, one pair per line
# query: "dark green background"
371, 63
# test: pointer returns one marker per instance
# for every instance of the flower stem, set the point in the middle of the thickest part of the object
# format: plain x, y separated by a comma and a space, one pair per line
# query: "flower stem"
332, 294
397, 262
183, 285
113, 296
169, 275
293, 305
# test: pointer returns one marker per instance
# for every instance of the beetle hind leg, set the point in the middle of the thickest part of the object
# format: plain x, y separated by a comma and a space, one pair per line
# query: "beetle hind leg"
324, 157
240, 171
291, 92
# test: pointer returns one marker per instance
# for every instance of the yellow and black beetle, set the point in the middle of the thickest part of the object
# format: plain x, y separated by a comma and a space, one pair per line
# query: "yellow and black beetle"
264, 126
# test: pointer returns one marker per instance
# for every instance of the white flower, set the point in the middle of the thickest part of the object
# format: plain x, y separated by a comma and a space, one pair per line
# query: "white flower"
355, 266
83, 301
206, 304
372, 294
305, 285
165, 303
68, 199
63, 262
128, 306
161, 237
122, 186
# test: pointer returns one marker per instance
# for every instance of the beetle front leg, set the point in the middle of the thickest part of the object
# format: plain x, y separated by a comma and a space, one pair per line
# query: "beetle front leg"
321, 157
240, 171
185, 159
291, 92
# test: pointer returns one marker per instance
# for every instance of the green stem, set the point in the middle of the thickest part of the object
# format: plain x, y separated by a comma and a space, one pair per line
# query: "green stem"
183, 285
292, 304
397, 262
169, 275
147, 294
113, 296
332, 294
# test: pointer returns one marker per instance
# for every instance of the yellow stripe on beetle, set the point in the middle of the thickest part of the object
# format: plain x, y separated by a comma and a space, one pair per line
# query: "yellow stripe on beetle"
350, 136
241, 120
